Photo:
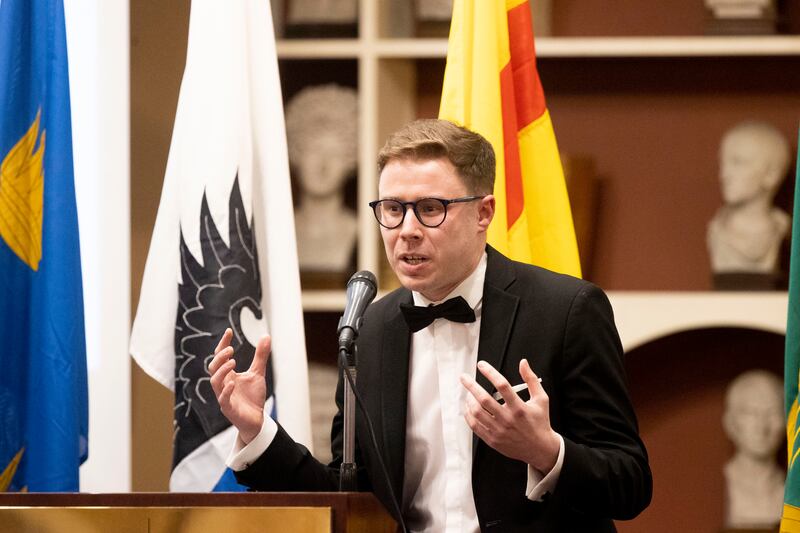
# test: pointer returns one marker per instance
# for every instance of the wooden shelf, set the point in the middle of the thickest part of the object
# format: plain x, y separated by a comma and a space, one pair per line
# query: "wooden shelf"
642, 317
610, 47
645, 316
566, 47
411, 48
387, 83
321, 301
328, 301
318, 48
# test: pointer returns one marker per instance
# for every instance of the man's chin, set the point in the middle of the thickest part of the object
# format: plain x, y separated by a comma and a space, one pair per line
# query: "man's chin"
410, 282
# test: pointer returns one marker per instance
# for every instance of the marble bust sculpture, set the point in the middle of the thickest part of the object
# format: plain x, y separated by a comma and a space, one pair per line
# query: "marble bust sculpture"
746, 233
753, 420
322, 133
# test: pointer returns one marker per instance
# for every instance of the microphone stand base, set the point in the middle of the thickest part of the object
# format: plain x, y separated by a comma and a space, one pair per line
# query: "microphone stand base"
348, 481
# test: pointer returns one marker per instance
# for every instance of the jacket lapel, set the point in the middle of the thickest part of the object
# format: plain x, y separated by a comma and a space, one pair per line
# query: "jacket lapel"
497, 317
394, 387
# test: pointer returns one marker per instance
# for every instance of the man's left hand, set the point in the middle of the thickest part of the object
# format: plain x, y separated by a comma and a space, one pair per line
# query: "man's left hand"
517, 429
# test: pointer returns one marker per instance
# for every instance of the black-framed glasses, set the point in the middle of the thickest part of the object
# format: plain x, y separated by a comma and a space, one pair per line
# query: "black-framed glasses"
430, 212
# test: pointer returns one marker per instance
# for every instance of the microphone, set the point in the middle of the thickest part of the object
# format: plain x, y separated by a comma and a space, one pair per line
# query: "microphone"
361, 290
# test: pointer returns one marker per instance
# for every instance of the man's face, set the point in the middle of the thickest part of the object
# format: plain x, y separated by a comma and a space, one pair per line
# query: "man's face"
743, 169
433, 261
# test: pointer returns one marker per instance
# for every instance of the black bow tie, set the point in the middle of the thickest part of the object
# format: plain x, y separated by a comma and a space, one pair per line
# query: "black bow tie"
455, 309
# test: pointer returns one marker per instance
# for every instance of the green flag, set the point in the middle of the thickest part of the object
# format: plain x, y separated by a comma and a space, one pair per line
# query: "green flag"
790, 522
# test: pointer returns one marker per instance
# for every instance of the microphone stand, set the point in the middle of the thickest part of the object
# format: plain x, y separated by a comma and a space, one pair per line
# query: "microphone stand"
348, 481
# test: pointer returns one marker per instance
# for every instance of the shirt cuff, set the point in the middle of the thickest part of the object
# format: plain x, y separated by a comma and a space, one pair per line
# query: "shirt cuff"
538, 484
242, 456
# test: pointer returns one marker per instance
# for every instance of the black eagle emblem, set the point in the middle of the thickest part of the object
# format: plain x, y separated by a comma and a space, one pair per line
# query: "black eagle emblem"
211, 298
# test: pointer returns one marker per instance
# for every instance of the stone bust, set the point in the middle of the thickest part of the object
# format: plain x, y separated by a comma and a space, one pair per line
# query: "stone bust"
746, 233
322, 134
753, 420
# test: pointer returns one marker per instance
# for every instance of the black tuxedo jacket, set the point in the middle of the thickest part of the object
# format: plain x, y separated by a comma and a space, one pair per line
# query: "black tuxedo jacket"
565, 328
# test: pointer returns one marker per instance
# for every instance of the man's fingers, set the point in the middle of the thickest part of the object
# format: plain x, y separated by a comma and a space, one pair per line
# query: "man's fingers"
219, 359
259, 365
474, 424
224, 397
479, 394
225, 341
479, 414
500, 383
218, 380
531, 379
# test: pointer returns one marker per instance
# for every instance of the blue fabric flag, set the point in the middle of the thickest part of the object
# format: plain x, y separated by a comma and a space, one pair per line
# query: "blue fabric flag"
43, 387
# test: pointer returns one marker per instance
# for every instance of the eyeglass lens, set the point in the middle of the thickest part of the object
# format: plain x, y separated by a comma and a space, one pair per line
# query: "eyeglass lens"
429, 211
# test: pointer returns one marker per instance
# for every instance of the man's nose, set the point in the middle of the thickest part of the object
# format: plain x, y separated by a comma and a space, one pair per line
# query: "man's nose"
410, 228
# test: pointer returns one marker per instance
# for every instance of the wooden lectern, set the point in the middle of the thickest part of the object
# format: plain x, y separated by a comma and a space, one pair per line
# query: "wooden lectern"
263, 512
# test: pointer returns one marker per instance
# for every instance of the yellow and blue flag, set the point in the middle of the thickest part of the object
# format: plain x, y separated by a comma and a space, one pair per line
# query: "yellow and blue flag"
43, 389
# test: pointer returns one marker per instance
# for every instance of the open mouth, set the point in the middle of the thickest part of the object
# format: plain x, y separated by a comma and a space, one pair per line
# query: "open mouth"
413, 259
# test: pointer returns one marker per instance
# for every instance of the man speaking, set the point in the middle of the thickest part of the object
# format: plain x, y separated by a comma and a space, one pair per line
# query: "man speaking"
496, 389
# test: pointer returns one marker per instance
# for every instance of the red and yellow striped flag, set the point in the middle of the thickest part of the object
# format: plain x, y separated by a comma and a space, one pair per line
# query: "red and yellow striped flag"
491, 86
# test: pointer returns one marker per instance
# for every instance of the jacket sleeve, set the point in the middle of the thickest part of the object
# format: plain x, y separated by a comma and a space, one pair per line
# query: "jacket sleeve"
605, 471
289, 466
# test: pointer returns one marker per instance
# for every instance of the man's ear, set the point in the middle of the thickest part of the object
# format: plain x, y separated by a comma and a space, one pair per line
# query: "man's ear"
486, 211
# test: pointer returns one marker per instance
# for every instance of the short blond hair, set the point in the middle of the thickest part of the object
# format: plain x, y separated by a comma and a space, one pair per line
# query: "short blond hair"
469, 152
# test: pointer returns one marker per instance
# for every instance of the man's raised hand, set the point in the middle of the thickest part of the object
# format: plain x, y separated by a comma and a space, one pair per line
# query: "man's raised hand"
241, 395
517, 429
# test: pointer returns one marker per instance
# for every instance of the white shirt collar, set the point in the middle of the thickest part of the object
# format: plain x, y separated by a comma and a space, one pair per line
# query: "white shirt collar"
471, 289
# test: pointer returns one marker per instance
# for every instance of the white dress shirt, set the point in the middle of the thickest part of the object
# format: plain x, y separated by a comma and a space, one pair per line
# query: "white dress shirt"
437, 487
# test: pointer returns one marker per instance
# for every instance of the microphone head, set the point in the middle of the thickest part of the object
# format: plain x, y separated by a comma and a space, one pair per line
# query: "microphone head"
365, 276
361, 290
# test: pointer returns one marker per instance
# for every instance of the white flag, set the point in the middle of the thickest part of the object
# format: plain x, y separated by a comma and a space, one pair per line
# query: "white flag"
223, 252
